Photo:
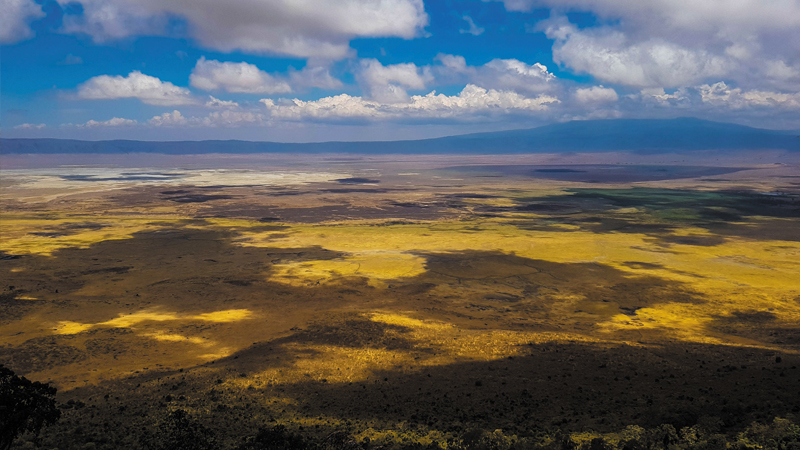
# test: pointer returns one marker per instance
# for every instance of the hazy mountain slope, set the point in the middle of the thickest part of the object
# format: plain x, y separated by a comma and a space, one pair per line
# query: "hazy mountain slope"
641, 135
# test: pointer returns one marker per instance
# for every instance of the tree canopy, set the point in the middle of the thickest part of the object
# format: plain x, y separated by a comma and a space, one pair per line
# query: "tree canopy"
25, 406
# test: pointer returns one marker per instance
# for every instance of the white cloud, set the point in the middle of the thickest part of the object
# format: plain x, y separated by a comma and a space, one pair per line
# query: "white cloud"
212, 75
232, 119
473, 29
782, 74
596, 95
737, 17
515, 74
15, 19
503, 74
175, 118
389, 83
594, 114
312, 76
609, 56
720, 94
215, 103
680, 42
305, 28
227, 118
149, 90
30, 126
472, 101
535, 71
453, 63
115, 122
659, 96
719, 100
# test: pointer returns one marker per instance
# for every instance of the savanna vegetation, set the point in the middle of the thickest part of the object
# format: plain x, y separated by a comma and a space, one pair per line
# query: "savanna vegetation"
434, 310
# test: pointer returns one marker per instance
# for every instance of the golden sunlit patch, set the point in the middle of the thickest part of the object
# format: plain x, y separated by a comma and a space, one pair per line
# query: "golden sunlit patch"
405, 321
67, 327
230, 315
44, 234
166, 337
130, 320
681, 320
377, 267
221, 352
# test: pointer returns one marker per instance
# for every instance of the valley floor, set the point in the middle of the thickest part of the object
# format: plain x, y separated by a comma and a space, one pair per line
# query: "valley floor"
402, 301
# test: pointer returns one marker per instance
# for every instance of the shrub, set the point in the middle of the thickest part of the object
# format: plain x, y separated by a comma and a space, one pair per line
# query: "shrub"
179, 432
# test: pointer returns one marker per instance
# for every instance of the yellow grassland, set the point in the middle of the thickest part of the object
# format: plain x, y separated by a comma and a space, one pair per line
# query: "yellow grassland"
739, 274
45, 233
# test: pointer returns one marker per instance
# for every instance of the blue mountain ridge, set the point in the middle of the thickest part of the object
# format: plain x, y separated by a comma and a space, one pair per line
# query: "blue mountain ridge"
628, 135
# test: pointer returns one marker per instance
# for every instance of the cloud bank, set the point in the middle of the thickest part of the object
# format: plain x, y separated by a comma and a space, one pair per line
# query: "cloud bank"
472, 101
307, 28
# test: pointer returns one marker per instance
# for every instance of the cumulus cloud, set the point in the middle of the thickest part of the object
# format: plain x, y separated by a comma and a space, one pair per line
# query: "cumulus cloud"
313, 76
735, 38
503, 74
681, 97
149, 90
215, 103
212, 75
720, 100
308, 28
782, 75
593, 115
472, 101
15, 19
115, 122
227, 119
473, 29
515, 74
175, 118
389, 83
720, 94
609, 56
453, 63
596, 95
30, 126
232, 119
723, 17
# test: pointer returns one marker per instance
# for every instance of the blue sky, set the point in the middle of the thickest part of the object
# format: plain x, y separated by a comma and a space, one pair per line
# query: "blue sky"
312, 70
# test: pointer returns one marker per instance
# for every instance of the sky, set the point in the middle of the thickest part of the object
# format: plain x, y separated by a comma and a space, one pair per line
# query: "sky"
320, 70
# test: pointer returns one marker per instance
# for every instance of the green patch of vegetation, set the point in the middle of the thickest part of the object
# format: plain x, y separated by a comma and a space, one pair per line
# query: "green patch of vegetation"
724, 205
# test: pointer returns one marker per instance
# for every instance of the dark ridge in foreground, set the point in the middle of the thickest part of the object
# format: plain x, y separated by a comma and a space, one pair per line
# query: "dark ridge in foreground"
638, 135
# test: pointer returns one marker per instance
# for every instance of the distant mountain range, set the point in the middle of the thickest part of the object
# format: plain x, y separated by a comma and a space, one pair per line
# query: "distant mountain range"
630, 135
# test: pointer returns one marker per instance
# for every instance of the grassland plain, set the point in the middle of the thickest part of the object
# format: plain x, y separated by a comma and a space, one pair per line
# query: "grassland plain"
402, 303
